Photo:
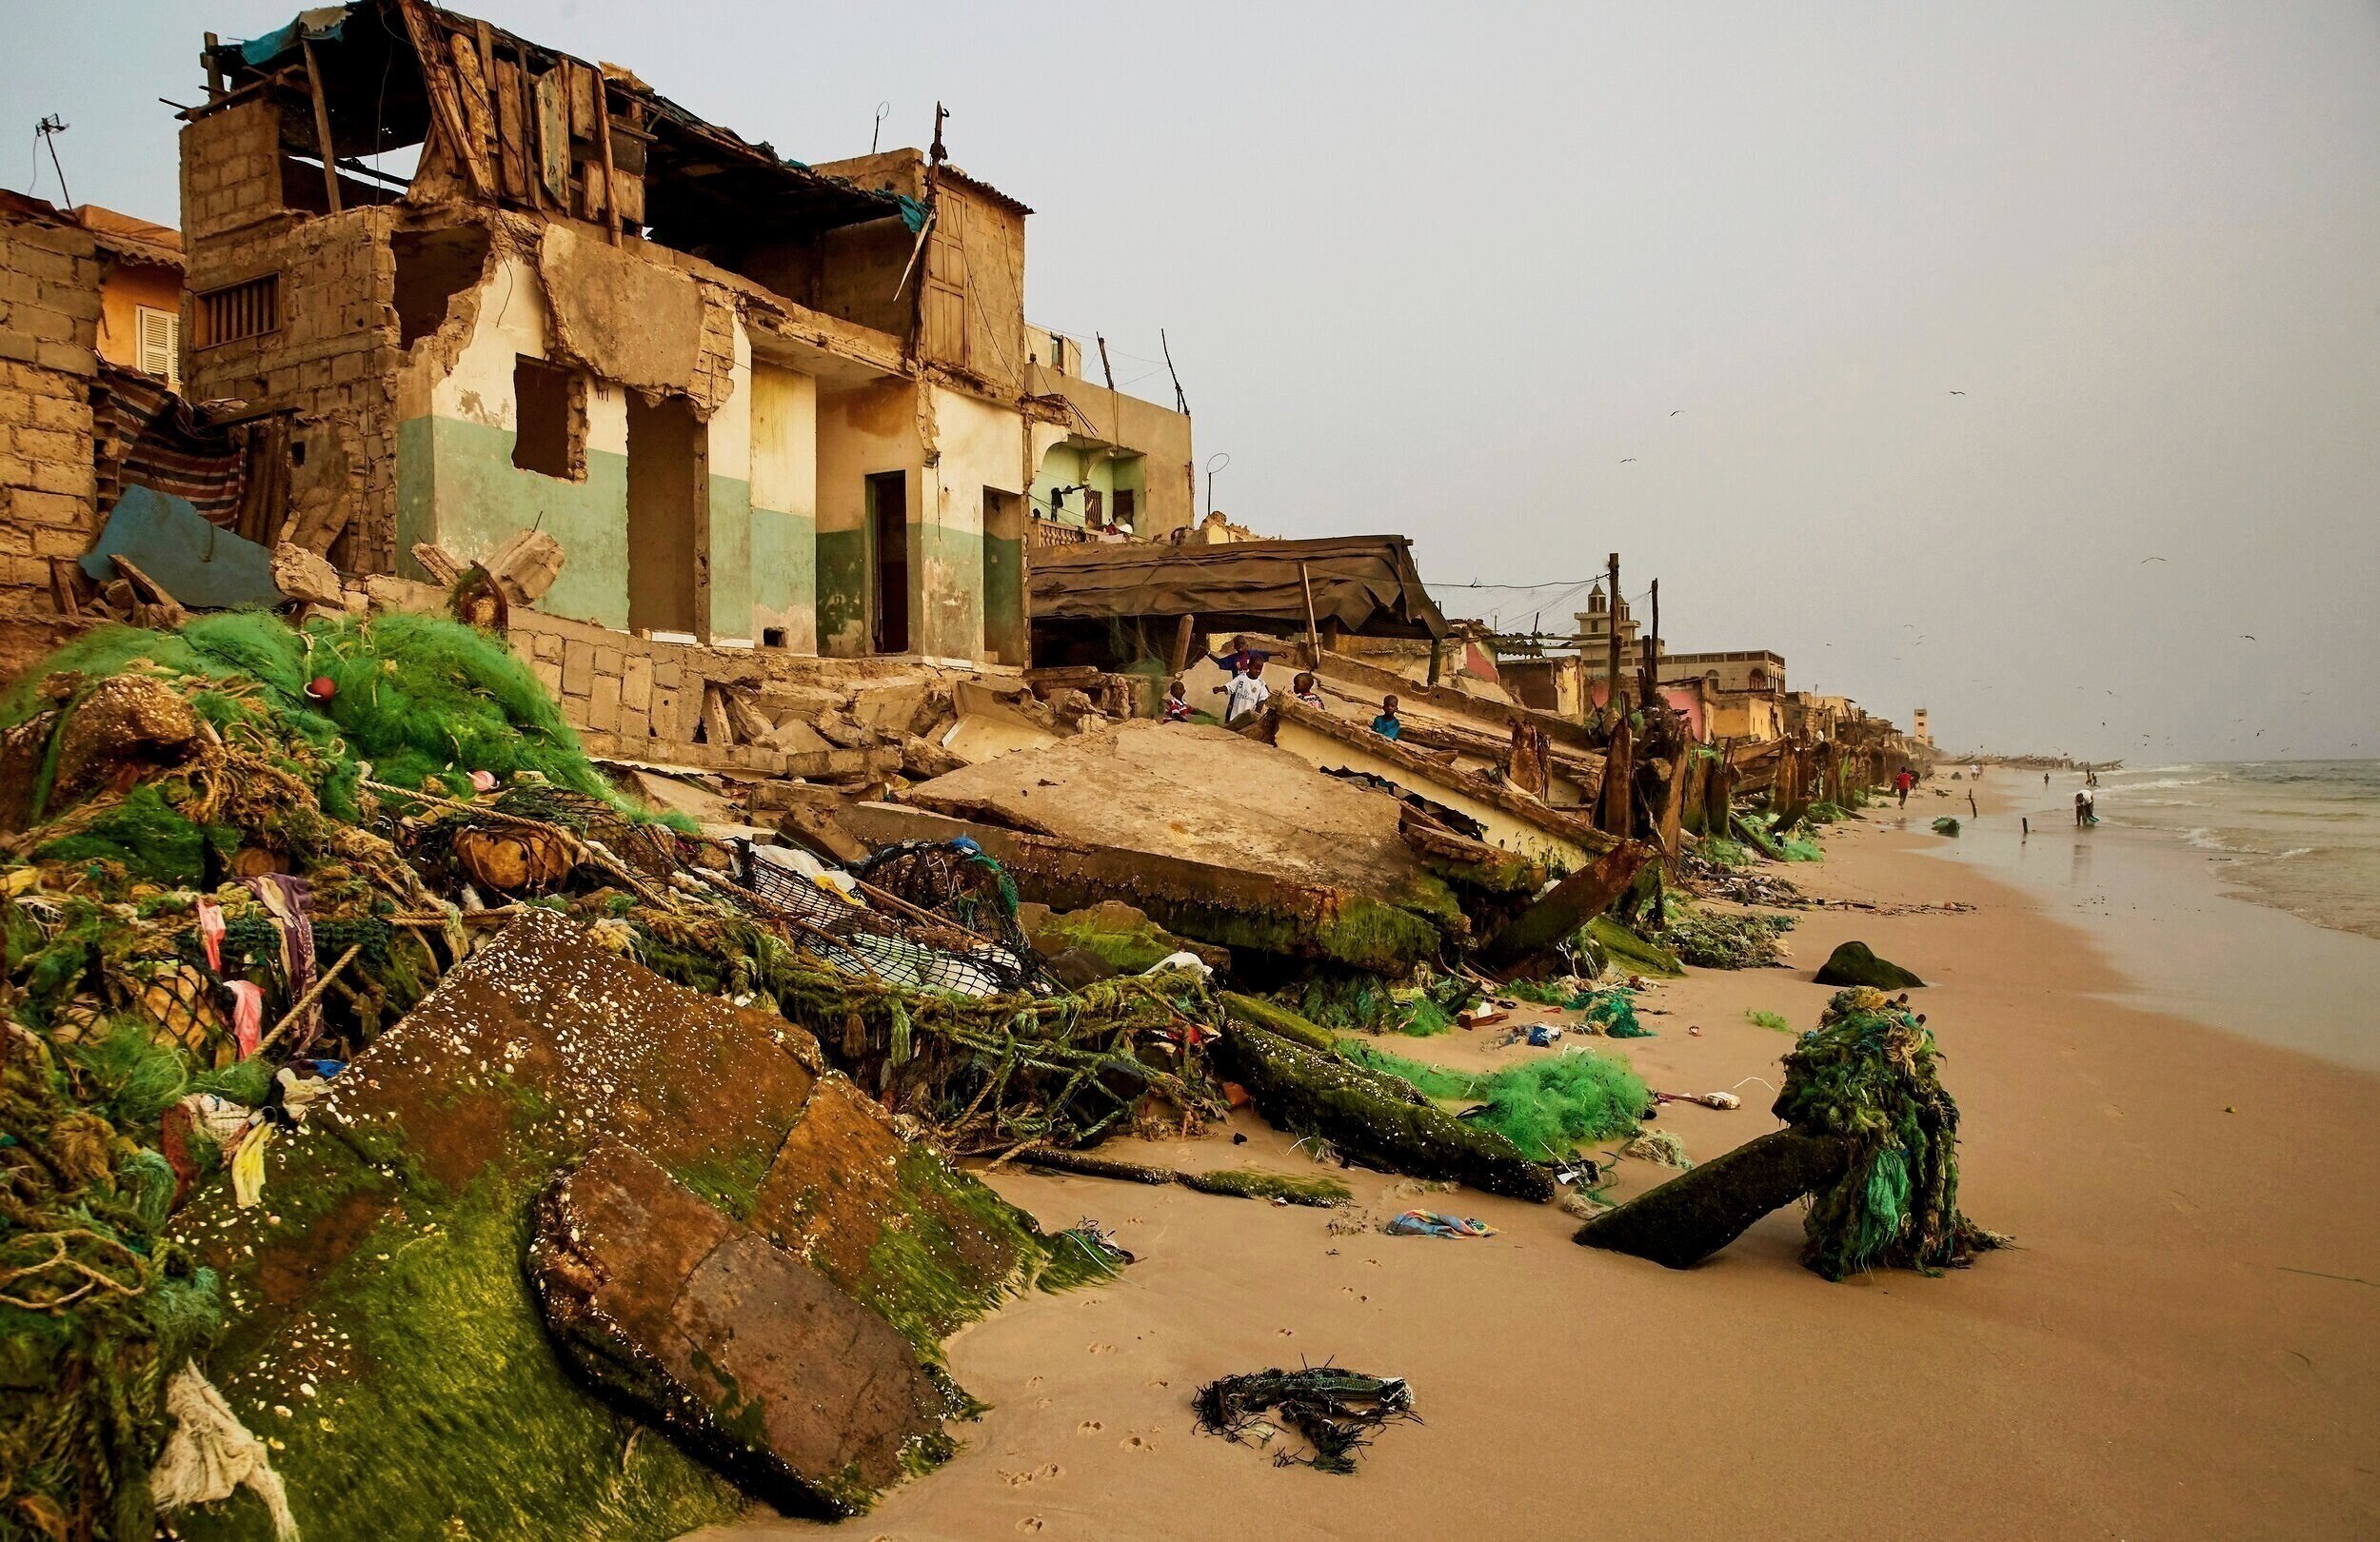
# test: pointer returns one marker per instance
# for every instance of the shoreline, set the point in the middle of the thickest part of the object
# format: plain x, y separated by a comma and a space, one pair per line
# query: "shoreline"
2180, 938
2182, 1343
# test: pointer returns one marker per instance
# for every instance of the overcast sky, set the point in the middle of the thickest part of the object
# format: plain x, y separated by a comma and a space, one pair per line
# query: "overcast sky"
1696, 283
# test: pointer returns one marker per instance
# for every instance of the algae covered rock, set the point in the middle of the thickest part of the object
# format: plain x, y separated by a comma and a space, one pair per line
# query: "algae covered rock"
383, 1331
744, 1352
1375, 1120
1119, 936
1855, 964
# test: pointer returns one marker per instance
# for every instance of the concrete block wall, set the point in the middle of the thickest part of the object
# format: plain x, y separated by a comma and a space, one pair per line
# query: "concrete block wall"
49, 337
637, 698
333, 357
230, 169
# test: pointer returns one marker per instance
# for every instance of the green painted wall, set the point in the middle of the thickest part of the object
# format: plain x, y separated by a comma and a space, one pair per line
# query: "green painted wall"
785, 575
952, 562
457, 485
732, 558
842, 574
1064, 466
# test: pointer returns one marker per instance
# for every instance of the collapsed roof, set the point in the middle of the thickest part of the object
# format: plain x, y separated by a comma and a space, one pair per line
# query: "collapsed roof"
1362, 586
397, 73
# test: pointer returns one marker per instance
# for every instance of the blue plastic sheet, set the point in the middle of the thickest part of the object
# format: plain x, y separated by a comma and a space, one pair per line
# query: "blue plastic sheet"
202, 567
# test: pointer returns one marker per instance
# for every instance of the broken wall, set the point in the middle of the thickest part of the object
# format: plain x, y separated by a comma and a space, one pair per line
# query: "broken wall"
457, 432
325, 342
48, 331
462, 481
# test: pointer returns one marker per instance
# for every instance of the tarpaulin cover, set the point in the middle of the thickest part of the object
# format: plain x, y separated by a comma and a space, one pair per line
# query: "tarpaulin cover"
315, 26
1365, 584
199, 565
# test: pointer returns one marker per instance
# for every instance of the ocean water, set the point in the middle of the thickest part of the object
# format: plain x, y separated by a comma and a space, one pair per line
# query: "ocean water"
2302, 836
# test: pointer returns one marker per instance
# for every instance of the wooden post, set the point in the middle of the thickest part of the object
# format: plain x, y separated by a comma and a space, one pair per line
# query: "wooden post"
1178, 659
603, 141
1438, 649
1653, 650
1611, 625
322, 119
1313, 636
1105, 368
214, 71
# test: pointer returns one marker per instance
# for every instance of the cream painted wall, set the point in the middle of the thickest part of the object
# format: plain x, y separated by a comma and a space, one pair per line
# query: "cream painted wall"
784, 505
980, 446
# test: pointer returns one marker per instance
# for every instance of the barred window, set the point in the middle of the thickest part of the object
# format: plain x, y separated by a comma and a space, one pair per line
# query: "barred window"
250, 308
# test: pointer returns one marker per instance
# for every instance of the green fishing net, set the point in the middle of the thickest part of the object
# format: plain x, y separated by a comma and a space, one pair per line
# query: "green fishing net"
1545, 1107
1868, 1072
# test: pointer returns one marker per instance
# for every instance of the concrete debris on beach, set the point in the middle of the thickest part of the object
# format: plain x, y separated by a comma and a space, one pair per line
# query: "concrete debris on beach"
575, 779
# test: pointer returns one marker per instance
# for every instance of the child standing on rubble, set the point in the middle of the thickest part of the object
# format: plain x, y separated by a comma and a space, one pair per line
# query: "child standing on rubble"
1307, 693
1246, 694
1386, 725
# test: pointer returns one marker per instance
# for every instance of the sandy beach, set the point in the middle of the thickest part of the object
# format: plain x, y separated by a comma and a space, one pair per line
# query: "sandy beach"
2184, 1343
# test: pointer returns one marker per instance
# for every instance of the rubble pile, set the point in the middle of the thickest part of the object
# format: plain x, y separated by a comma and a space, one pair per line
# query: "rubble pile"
340, 979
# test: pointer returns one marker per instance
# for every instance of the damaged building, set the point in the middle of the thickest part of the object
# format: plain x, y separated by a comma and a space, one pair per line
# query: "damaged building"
760, 403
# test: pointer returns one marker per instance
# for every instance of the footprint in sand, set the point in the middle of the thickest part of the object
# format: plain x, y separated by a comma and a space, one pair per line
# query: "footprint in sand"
1102, 1349
1029, 1525
1041, 1403
1089, 1427
1032, 1381
1136, 1443
1288, 1333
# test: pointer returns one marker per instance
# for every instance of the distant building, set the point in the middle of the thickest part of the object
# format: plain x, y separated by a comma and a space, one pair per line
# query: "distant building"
140, 291
1123, 461
1595, 624
1920, 731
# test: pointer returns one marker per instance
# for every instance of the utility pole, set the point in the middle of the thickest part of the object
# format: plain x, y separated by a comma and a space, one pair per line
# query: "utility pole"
1611, 624
1653, 650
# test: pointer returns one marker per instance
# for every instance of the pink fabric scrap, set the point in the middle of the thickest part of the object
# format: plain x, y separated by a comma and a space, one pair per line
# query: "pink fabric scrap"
210, 933
247, 1014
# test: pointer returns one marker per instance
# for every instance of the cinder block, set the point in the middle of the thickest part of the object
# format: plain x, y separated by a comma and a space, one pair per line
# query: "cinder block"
578, 666
602, 704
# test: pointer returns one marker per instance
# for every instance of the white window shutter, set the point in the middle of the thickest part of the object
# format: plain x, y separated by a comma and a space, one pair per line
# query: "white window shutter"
160, 342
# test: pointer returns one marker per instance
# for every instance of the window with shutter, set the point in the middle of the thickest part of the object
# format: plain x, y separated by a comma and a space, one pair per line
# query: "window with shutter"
161, 344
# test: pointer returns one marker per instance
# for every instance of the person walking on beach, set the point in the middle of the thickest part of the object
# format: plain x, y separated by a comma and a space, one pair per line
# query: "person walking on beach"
2086, 814
1902, 782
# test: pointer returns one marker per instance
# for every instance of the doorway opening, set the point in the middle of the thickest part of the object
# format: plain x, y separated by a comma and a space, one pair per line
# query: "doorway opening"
1003, 577
666, 494
889, 545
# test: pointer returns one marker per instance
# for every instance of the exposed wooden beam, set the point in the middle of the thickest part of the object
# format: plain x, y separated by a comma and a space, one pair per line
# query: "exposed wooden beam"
323, 146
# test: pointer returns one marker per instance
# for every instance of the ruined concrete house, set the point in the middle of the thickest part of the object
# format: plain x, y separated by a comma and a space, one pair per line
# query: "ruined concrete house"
761, 404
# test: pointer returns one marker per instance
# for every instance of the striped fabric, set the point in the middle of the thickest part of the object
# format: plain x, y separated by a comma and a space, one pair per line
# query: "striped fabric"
147, 435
